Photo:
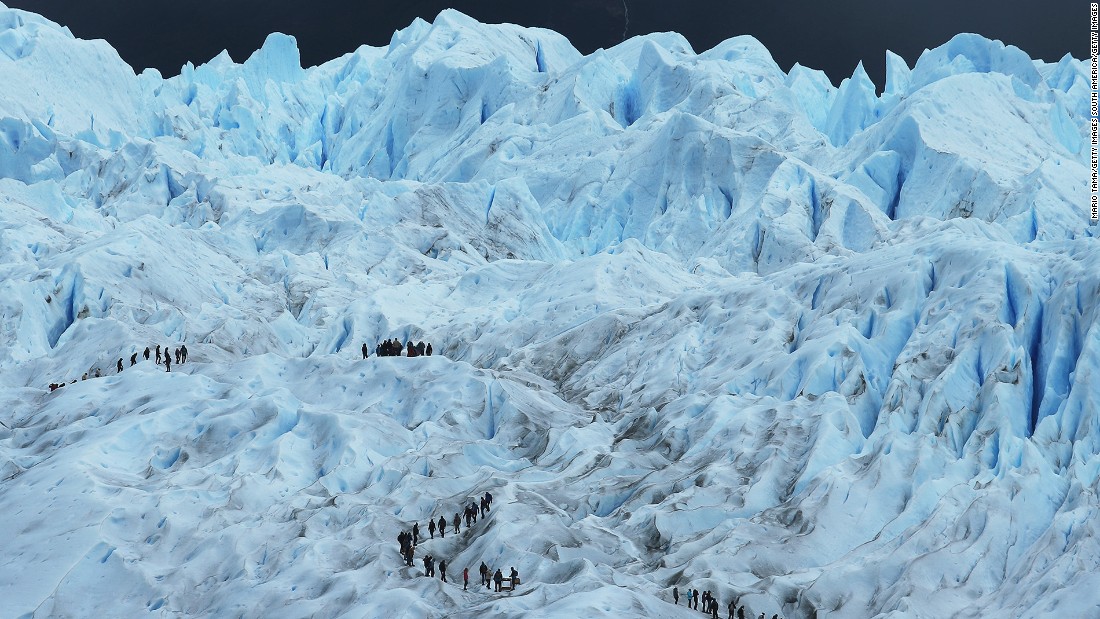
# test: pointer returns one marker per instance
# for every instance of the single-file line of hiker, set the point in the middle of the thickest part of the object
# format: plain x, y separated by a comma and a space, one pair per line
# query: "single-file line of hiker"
410, 539
711, 604
167, 356
180, 356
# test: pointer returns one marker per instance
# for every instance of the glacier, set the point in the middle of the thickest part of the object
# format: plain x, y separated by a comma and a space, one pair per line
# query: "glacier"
699, 322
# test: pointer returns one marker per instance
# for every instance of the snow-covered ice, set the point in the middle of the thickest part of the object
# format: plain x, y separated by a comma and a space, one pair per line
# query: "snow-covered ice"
697, 322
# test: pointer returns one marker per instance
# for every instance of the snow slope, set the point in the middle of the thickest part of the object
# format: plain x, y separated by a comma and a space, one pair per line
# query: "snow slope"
697, 321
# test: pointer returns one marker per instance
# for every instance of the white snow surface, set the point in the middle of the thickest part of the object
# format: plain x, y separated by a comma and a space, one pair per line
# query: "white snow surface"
698, 322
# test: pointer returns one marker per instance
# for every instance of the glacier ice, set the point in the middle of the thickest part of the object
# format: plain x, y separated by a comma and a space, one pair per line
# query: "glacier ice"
698, 322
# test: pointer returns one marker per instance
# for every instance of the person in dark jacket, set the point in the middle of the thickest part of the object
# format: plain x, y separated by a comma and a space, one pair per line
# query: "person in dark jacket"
416, 533
167, 361
146, 353
411, 350
431, 528
133, 359
675, 596
119, 364
484, 569
183, 353
443, 570
158, 361
365, 350
498, 578
442, 527
695, 597
457, 521
514, 575
428, 350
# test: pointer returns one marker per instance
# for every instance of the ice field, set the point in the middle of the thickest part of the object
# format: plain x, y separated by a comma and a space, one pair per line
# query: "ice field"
698, 322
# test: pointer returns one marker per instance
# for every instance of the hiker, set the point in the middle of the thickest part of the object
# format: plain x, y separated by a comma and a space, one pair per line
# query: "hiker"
409, 556
146, 353
97, 373
158, 354
484, 569
402, 542
183, 353
119, 365
442, 527
411, 350
431, 528
443, 570
428, 350
498, 578
364, 350
714, 608
514, 576
167, 361
84, 377
133, 359
465, 577
177, 356
416, 533
456, 521
420, 349
741, 612
484, 507
696, 598
675, 596
428, 565
731, 608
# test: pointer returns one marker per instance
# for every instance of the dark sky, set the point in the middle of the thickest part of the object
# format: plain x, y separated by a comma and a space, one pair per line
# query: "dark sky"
822, 34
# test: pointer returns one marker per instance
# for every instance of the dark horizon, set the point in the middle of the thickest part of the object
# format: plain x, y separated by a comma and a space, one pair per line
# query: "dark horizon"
161, 35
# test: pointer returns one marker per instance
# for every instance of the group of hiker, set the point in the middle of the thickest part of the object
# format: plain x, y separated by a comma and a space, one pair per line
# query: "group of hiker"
393, 348
180, 356
711, 605
408, 541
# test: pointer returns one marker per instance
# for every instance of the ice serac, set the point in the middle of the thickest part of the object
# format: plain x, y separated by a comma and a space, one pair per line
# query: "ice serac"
696, 322
854, 108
